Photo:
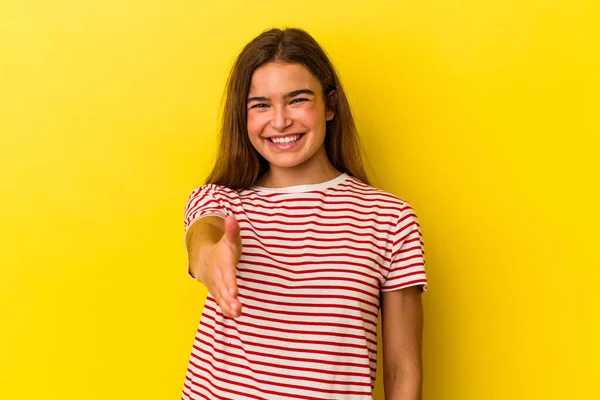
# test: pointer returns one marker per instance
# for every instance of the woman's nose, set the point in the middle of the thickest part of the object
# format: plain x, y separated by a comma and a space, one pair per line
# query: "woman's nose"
281, 119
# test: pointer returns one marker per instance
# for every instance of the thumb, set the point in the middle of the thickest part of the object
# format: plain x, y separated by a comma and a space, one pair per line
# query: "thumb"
232, 231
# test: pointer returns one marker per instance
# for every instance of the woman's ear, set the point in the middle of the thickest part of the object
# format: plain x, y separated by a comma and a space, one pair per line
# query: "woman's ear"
330, 107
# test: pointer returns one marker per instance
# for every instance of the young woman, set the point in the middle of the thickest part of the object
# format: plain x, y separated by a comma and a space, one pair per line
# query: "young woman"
297, 251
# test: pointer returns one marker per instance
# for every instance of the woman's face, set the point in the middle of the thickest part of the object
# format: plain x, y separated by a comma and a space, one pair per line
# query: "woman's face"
287, 115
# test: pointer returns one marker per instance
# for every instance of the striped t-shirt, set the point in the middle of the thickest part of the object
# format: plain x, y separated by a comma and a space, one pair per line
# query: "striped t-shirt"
314, 261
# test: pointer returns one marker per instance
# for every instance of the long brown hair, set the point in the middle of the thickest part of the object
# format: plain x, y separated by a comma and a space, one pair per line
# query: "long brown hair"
238, 164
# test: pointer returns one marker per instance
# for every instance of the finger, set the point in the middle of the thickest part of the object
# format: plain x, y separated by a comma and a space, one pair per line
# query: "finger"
230, 281
224, 305
230, 308
236, 308
223, 293
219, 301
220, 292
230, 305
232, 232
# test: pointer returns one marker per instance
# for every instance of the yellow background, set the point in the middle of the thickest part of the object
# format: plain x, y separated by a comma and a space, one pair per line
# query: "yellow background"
483, 114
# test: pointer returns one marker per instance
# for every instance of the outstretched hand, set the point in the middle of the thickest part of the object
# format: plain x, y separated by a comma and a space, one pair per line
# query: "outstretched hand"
219, 269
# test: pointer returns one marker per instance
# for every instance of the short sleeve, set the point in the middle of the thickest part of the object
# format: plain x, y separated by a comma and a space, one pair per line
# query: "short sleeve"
407, 266
205, 201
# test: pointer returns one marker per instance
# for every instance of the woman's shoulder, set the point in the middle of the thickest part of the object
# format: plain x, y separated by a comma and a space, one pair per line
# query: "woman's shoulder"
215, 188
215, 192
371, 193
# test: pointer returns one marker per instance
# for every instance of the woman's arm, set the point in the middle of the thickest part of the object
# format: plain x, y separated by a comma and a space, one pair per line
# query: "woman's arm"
214, 248
402, 326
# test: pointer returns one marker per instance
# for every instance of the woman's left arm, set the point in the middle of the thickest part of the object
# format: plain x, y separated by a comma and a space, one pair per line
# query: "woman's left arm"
402, 326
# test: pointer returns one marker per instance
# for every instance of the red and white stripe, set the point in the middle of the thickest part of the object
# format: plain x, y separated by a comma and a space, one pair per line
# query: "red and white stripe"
315, 259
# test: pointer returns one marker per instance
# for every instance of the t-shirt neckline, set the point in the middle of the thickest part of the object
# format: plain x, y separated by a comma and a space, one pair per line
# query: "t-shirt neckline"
303, 188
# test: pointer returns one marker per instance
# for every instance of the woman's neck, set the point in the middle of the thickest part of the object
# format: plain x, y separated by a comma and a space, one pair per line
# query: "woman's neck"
277, 177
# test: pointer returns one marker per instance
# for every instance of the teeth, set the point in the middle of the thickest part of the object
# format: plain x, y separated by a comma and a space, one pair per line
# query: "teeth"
286, 140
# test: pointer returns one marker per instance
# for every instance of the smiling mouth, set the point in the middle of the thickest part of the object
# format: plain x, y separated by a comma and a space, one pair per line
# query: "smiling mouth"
287, 139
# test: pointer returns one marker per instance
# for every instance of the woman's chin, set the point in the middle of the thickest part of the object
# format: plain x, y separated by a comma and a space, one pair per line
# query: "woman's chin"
284, 163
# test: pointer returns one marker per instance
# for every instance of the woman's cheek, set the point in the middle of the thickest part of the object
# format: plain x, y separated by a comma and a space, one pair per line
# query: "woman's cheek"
255, 124
308, 116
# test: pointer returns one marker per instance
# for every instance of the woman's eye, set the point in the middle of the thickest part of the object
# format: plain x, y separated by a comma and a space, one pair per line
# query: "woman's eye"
259, 105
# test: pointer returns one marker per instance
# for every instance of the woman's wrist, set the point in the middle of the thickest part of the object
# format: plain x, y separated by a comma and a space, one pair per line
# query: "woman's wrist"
198, 261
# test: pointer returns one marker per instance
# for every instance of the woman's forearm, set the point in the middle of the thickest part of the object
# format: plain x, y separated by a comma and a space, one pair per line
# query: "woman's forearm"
202, 235
402, 327
403, 383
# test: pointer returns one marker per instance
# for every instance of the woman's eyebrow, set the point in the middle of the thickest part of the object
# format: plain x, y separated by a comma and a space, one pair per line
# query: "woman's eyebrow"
289, 95
298, 93
257, 98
